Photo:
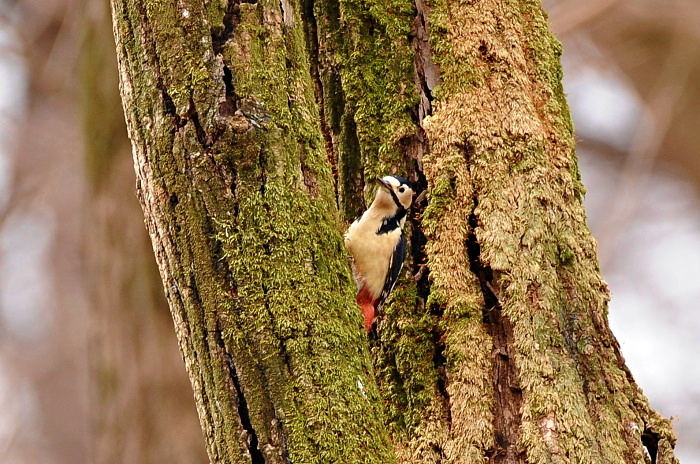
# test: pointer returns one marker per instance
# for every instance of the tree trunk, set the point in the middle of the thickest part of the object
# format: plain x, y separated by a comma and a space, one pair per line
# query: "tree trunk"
500, 352
239, 202
142, 402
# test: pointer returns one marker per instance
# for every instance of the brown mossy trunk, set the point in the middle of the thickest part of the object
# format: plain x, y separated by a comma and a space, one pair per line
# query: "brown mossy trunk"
239, 201
142, 405
242, 113
504, 352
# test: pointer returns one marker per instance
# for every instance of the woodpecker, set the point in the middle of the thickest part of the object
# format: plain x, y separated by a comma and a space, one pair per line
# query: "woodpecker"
378, 246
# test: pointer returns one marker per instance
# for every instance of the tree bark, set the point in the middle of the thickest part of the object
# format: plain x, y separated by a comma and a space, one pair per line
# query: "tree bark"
501, 352
142, 405
239, 202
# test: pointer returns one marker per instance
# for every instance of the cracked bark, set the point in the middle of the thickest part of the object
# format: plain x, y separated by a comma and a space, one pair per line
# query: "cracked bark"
508, 400
241, 115
491, 139
239, 202
324, 41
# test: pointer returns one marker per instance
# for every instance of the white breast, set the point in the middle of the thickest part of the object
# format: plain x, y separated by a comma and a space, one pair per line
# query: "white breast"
371, 252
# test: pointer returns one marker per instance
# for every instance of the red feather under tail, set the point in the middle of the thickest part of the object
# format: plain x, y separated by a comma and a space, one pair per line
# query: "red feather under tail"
366, 302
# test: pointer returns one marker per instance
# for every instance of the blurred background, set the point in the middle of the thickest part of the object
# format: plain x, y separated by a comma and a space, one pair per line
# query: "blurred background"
77, 276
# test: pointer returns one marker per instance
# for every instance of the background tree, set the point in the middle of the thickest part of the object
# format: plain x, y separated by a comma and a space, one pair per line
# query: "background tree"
502, 352
142, 407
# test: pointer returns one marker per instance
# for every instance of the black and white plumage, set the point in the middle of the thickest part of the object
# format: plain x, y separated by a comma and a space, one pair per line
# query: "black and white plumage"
378, 245
397, 258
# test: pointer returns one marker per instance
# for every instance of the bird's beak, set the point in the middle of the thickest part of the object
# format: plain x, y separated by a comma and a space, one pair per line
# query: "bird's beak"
384, 183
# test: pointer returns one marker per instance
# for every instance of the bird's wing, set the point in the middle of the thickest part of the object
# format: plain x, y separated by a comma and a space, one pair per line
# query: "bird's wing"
397, 259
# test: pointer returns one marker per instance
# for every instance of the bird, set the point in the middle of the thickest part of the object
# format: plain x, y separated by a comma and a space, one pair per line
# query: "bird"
377, 245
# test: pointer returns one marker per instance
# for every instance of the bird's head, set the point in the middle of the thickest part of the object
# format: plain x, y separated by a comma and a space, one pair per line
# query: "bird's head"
394, 192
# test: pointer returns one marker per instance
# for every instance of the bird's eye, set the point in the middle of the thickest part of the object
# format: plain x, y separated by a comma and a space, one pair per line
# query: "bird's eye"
401, 189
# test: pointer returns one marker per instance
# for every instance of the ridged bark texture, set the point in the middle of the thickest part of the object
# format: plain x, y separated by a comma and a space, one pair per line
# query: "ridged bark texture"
501, 352
504, 353
532, 313
239, 201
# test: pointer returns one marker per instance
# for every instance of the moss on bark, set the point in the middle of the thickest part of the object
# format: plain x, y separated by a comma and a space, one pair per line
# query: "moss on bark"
504, 355
510, 358
240, 206
501, 136
364, 64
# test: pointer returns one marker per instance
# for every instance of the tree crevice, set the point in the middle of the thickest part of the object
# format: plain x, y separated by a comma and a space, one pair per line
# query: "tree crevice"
231, 103
508, 398
229, 20
252, 443
650, 441
440, 362
312, 41
416, 146
201, 134
426, 72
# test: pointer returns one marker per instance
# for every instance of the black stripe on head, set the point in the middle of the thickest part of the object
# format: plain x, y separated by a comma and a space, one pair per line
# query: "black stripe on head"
390, 188
396, 199
402, 181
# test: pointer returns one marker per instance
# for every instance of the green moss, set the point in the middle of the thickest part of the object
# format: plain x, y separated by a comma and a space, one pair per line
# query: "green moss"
501, 105
255, 270
405, 359
258, 278
376, 67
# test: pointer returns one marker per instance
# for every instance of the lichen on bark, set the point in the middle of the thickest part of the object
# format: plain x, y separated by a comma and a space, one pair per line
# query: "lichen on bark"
502, 134
503, 354
240, 206
510, 358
